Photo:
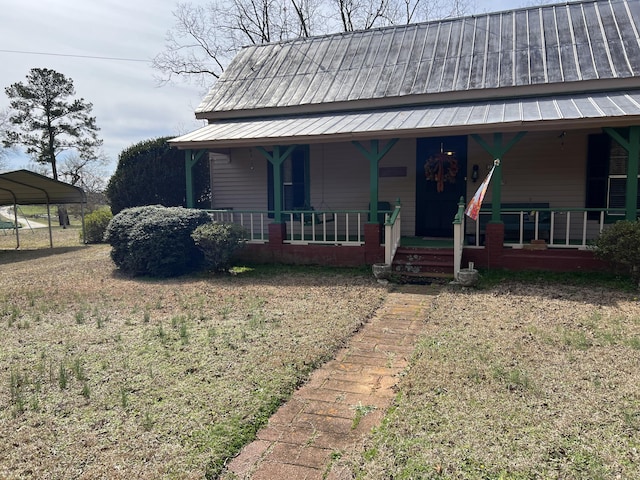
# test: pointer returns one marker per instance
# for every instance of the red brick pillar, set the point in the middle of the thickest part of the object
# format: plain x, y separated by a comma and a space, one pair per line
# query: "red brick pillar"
494, 244
374, 252
277, 234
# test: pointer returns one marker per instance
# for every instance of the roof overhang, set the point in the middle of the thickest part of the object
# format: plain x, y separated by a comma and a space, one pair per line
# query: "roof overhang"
28, 188
577, 110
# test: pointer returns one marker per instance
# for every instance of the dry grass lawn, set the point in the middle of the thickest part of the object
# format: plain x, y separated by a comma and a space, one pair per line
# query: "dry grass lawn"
104, 376
520, 381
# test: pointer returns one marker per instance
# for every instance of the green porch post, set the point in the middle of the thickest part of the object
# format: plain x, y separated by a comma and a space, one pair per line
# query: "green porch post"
632, 146
191, 157
497, 151
280, 153
374, 155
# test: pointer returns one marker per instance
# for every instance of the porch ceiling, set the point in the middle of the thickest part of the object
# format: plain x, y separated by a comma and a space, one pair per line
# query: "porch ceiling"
557, 111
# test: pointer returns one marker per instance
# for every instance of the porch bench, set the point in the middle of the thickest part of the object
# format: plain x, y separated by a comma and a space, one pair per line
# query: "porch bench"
511, 219
311, 217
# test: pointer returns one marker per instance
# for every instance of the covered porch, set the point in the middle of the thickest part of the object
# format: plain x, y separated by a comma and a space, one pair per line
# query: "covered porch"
344, 189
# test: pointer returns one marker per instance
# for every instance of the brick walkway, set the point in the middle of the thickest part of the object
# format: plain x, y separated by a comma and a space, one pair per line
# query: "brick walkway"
344, 398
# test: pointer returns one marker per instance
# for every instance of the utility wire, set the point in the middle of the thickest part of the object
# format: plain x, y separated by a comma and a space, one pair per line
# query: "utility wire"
94, 57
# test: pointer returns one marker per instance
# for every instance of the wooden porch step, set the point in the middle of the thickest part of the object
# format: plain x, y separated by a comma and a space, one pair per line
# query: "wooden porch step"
423, 262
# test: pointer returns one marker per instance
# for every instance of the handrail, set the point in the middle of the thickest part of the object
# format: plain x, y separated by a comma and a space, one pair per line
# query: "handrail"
392, 233
458, 238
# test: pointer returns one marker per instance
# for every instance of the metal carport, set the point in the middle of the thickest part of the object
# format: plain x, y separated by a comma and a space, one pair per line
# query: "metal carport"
22, 187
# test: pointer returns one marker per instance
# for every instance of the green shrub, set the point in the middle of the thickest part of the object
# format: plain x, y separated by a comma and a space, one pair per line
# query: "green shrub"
156, 240
218, 242
95, 225
619, 244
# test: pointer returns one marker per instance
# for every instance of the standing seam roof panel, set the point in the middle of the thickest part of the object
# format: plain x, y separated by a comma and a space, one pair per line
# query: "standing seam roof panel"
592, 39
367, 68
411, 70
554, 63
399, 73
349, 81
331, 46
492, 75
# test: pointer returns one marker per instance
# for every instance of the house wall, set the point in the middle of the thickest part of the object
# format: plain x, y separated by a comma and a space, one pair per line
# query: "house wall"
340, 179
542, 167
240, 184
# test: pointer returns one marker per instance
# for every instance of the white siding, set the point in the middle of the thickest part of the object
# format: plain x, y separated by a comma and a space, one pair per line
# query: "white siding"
542, 167
240, 184
340, 179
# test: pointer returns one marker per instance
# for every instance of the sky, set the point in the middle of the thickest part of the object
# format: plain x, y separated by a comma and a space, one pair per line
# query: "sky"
87, 41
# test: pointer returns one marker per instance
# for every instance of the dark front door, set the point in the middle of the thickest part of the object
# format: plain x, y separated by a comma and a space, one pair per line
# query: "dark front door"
441, 169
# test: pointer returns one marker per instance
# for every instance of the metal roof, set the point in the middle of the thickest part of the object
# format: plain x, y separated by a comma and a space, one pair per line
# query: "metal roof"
523, 113
28, 188
556, 47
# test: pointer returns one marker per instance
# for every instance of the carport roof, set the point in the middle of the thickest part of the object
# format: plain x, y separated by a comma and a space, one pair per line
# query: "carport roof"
28, 188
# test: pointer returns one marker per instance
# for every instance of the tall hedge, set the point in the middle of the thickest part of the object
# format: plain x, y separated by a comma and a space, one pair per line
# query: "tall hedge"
155, 240
153, 173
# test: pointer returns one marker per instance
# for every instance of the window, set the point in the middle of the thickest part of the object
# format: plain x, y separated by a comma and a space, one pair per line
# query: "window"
617, 184
295, 181
606, 175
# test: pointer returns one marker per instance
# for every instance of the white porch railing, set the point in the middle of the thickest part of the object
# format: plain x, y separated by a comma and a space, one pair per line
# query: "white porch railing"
336, 227
304, 227
254, 222
559, 227
392, 234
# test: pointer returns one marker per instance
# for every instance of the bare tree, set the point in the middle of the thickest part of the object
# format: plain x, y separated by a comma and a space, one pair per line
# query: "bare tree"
411, 11
84, 172
362, 14
205, 38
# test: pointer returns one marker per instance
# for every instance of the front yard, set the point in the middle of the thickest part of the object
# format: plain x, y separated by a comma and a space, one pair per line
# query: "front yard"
103, 376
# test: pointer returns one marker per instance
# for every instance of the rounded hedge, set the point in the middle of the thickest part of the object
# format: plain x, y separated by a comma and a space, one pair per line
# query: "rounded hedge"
218, 242
95, 225
155, 240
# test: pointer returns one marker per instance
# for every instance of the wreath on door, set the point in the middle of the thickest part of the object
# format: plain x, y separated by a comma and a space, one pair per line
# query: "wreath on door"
440, 168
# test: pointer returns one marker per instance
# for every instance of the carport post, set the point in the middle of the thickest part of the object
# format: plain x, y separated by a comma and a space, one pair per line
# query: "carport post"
49, 221
15, 223
84, 235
